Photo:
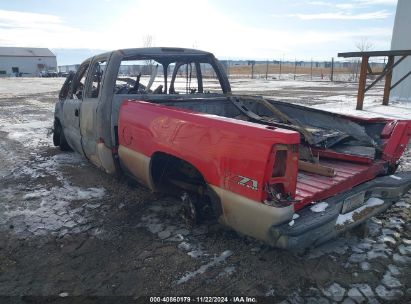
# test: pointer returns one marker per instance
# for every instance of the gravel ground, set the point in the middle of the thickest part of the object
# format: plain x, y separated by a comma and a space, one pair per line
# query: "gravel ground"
68, 229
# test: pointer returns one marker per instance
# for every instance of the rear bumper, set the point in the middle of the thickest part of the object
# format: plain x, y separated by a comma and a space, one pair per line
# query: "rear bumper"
313, 228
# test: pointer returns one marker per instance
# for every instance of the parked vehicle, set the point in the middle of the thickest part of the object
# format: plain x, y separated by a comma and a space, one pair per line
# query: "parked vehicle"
62, 74
286, 174
49, 73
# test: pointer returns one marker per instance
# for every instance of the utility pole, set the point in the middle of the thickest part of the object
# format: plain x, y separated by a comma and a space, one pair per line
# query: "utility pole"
311, 69
332, 69
252, 63
279, 75
295, 67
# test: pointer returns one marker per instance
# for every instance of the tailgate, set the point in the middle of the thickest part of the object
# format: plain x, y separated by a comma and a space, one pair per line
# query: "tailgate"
314, 226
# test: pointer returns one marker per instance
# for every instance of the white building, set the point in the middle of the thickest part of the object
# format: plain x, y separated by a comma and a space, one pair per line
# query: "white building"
23, 61
401, 40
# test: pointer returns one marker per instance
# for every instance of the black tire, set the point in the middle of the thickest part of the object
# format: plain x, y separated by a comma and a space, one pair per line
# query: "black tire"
56, 134
64, 146
190, 214
196, 209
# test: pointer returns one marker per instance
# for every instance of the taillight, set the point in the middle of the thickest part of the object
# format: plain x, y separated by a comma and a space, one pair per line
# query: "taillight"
281, 173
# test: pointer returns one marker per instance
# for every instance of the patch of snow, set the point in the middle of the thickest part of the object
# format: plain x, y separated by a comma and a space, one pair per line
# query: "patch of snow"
154, 227
52, 209
372, 108
356, 295
196, 253
348, 301
345, 218
366, 244
394, 270
373, 254
217, 260
402, 204
374, 201
164, 234
227, 271
389, 281
319, 207
387, 239
335, 291
395, 177
185, 246
388, 294
365, 266
270, 292
405, 250
292, 222
390, 232
357, 258
255, 249
401, 259
11, 87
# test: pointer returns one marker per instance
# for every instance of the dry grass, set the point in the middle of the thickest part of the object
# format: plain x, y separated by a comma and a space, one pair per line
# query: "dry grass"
288, 68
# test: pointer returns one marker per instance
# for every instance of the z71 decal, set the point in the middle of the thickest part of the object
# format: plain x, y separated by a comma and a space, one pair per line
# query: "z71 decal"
242, 181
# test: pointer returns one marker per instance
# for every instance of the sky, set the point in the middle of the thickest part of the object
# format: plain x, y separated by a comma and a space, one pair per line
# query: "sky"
231, 29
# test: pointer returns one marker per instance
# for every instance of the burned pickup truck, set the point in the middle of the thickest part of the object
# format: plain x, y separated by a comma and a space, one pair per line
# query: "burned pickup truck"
286, 174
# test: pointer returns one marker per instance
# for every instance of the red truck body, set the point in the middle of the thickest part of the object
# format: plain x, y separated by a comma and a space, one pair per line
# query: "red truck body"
205, 141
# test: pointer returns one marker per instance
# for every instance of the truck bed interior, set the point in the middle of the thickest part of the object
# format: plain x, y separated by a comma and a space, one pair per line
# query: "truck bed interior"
360, 140
314, 187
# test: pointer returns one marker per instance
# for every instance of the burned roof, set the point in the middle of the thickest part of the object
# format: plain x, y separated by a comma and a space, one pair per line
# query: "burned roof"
162, 51
161, 54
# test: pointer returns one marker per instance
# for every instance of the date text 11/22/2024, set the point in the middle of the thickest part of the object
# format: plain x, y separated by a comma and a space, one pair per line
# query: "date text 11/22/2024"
206, 299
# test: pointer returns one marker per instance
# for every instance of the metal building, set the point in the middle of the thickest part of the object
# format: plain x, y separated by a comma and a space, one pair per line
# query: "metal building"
22, 61
401, 40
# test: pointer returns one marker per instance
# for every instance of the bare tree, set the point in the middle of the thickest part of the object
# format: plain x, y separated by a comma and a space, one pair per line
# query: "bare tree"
364, 45
148, 42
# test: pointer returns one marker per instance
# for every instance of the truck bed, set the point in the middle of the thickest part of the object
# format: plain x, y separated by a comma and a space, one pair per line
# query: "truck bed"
354, 161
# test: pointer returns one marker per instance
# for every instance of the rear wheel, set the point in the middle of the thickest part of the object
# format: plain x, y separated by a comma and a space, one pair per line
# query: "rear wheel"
196, 209
190, 210
177, 177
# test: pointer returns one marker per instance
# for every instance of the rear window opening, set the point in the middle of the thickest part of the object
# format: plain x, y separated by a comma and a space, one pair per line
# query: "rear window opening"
151, 76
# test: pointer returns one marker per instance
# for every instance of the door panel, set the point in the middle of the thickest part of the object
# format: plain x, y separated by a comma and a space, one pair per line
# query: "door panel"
88, 128
71, 123
88, 114
72, 108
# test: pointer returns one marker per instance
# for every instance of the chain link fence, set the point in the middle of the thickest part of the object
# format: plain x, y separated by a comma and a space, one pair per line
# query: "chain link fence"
332, 70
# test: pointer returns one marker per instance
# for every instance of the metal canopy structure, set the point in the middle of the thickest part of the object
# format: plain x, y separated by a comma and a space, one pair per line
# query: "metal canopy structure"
386, 72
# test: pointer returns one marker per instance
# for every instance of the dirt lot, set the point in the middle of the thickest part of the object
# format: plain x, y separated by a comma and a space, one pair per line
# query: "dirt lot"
68, 229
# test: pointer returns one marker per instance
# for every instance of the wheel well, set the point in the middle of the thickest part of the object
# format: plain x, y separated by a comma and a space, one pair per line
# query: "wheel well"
174, 175
166, 168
